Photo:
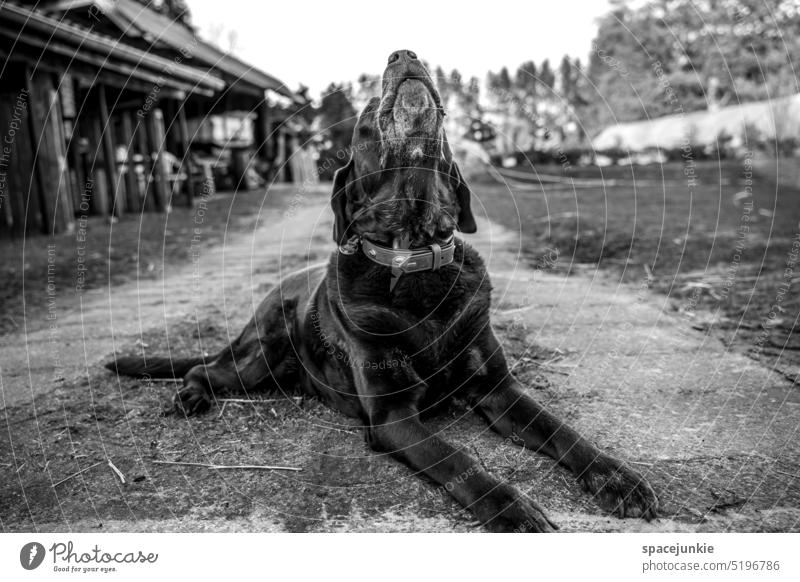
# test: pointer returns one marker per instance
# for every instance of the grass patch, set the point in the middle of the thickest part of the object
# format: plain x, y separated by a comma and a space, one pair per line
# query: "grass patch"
720, 246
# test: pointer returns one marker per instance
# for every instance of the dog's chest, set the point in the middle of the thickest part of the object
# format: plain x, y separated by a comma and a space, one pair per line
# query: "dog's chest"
431, 317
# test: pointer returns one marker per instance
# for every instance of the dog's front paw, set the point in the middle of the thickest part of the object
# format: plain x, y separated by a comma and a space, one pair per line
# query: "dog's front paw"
192, 399
619, 489
508, 510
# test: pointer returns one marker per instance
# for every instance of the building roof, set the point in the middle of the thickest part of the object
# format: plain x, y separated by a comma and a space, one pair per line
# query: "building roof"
134, 20
29, 27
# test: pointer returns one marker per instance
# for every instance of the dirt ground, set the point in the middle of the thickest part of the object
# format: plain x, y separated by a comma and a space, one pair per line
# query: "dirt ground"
713, 430
113, 252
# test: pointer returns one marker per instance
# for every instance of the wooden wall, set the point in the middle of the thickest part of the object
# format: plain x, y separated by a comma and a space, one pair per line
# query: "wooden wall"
19, 189
64, 137
36, 192
60, 144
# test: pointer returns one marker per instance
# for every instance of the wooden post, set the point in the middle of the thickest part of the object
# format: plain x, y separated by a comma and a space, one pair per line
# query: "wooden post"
50, 156
157, 137
186, 164
116, 188
7, 224
292, 150
66, 199
12, 168
66, 94
100, 193
77, 177
141, 131
21, 185
134, 200
263, 138
37, 120
280, 160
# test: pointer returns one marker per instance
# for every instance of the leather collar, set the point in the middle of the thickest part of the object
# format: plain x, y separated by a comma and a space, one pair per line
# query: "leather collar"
429, 258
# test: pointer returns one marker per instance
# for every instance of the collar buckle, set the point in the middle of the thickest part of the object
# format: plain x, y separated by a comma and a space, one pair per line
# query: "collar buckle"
350, 246
429, 258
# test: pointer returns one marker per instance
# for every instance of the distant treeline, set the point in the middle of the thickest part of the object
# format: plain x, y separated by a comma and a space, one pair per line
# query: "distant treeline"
647, 60
673, 56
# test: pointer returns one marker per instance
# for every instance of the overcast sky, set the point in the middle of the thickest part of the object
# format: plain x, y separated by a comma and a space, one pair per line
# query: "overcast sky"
316, 42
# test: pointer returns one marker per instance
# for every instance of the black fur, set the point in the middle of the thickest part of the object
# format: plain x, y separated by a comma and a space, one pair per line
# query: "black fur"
153, 367
390, 356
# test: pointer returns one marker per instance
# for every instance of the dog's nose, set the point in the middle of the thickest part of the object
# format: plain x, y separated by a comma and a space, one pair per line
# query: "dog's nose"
402, 56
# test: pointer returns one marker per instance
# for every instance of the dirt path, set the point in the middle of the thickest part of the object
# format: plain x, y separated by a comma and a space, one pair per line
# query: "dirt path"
715, 432
81, 330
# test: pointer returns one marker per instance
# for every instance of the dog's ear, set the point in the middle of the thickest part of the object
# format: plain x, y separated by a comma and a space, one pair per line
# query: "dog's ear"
339, 202
466, 222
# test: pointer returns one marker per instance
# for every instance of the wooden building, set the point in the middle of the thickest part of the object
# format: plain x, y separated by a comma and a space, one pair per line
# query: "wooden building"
94, 103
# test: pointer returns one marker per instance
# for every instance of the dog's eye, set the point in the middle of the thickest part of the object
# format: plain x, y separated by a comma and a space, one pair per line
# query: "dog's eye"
365, 131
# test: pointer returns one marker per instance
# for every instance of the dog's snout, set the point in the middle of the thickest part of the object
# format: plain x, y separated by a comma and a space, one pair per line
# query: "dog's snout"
403, 55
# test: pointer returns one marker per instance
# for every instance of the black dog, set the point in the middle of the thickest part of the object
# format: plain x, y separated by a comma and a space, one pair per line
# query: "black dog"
397, 324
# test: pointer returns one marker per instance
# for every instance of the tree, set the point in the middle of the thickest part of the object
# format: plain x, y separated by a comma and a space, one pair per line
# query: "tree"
582, 87
440, 78
472, 96
673, 56
177, 10
526, 79
369, 86
567, 80
455, 80
547, 78
503, 80
336, 119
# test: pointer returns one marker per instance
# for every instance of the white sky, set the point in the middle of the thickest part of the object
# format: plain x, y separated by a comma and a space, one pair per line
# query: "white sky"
316, 42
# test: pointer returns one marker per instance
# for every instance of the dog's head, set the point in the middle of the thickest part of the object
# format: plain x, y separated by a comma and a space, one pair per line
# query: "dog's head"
401, 180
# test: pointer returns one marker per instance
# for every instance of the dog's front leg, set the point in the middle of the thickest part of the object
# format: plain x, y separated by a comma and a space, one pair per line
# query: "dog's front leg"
394, 427
499, 506
514, 414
